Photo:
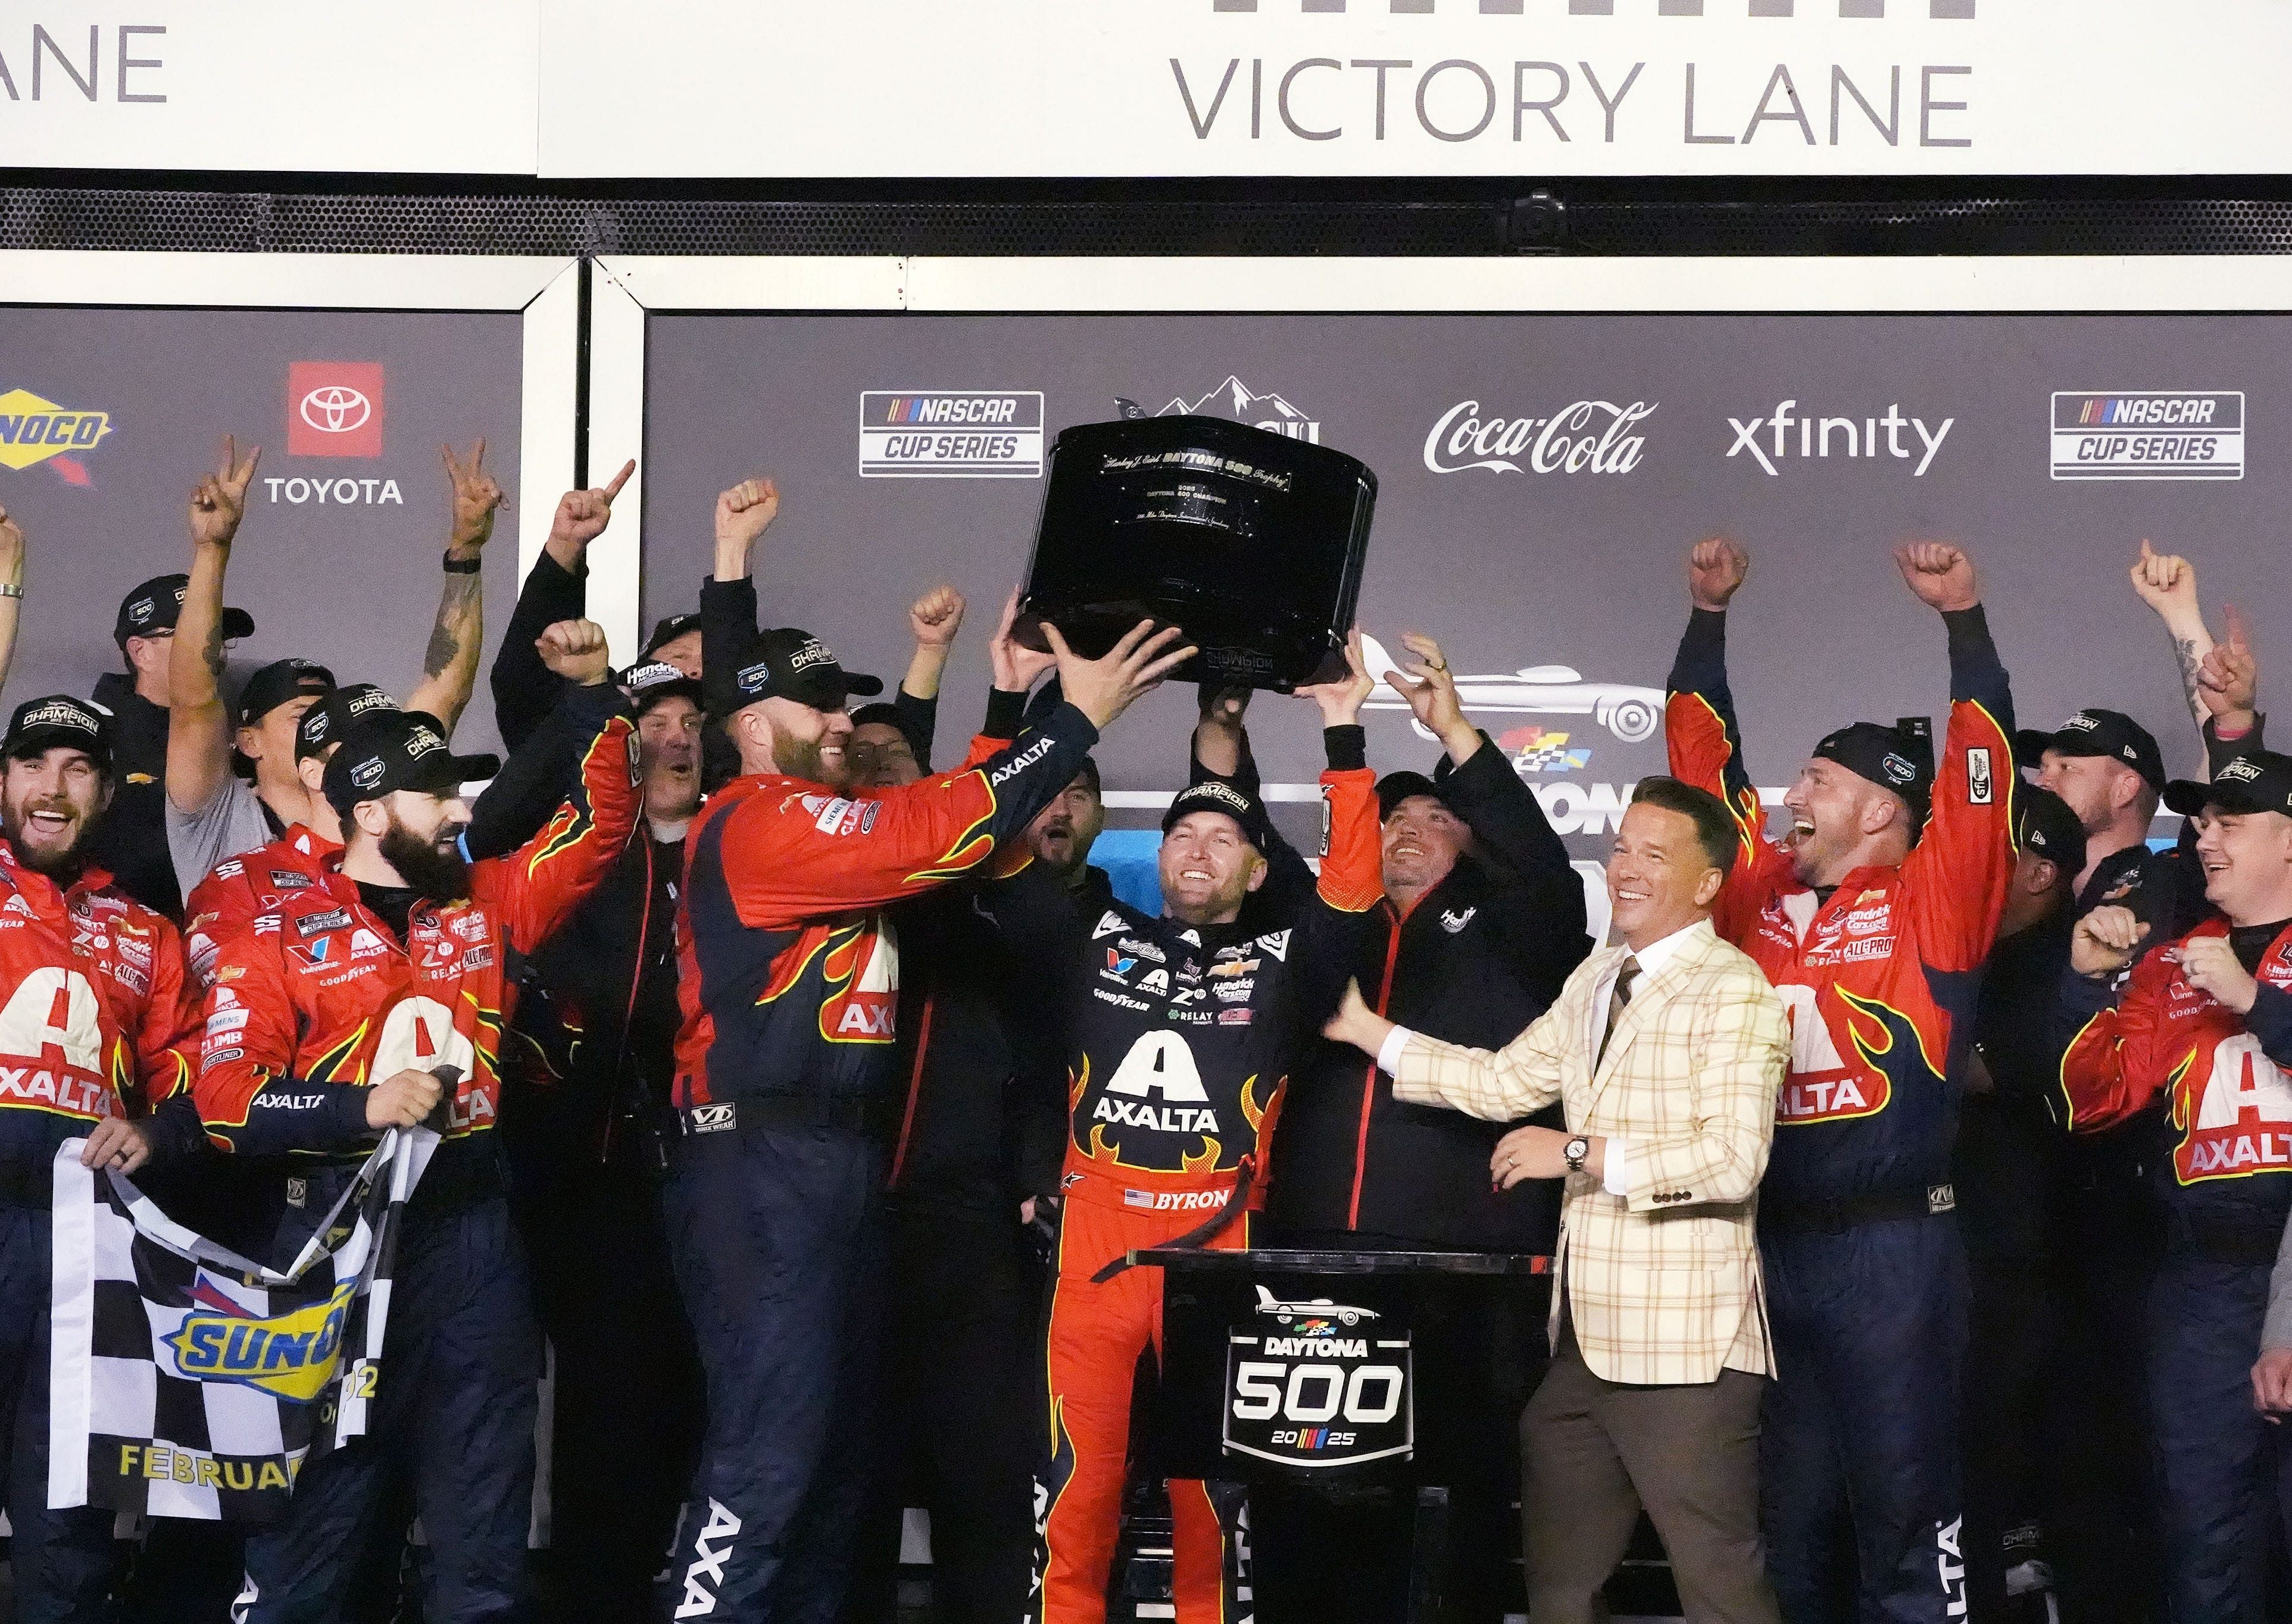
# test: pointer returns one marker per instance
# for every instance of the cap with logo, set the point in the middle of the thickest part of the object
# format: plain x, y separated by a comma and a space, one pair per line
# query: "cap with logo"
1219, 795
788, 663
1900, 758
2257, 781
390, 750
667, 630
154, 606
650, 682
331, 719
2094, 732
59, 720
2046, 827
273, 685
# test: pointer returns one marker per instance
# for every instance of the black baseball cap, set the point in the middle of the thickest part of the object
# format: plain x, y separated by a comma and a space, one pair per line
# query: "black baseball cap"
399, 749
154, 606
1900, 758
788, 663
272, 685
649, 682
1219, 795
2046, 827
43, 724
2258, 780
1394, 788
2092, 731
332, 717
668, 630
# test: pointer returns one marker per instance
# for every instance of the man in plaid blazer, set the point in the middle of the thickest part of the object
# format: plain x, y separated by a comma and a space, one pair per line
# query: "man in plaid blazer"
1665, 1051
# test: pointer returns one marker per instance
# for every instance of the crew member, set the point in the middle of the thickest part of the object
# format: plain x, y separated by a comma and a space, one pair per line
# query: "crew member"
789, 976
94, 1018
371, 1001
1872, 919
556, 589
2199, 1047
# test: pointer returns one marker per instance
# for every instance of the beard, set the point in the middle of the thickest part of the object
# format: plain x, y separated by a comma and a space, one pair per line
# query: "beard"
801, 759
60, 860
433, 875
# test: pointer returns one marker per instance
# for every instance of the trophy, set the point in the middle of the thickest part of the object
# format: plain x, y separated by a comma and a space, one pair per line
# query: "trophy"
1250, 541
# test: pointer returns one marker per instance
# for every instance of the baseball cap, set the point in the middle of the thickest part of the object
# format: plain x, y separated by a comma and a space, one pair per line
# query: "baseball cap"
272, 685
2092, 731
58, 719
2258, 780
649, 682
788, 663
2047, 828
1900, 758
668, 630
331, 718
889, 716
154, 606
390, 750
1394, 788
1218, 795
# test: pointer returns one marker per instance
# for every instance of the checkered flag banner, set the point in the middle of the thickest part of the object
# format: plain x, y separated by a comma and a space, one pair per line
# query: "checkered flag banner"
187, 1381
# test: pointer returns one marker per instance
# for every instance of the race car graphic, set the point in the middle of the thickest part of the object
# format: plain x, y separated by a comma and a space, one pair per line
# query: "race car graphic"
1629, 713
1317, 1312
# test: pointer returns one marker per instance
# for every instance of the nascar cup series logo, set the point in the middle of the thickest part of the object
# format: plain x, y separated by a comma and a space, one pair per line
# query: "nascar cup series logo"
951, 434
2158, 434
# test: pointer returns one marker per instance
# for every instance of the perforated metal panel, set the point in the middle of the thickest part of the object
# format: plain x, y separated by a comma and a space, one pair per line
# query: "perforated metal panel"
1258, 218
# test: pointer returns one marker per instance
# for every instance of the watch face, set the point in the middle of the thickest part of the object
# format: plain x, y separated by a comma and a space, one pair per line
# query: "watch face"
1576, 1149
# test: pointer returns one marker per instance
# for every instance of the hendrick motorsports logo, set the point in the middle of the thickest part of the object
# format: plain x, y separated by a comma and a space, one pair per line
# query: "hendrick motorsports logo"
951, 434
36, 430
1587, 437
1238, 401
1630, 713
2158, 434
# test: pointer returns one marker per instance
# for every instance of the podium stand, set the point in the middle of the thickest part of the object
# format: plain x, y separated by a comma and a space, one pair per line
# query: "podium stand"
1330, 1369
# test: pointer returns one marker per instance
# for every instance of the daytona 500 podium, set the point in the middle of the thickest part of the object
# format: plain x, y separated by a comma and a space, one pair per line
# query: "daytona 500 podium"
1320, 1373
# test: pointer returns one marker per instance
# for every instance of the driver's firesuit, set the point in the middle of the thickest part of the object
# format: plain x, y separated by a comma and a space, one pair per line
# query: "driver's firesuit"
1866, 1279
1179, 1041
334, 987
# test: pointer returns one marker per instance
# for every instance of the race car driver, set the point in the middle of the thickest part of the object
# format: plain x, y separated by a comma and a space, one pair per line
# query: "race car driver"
2200, 1044
785, 1084
1179, 1034
373, 1000
1872, 919
95, 1012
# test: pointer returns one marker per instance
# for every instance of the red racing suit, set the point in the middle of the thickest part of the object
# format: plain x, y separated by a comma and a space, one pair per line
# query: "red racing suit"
317, 999
241, 887
1178, 1045
1880, 980
97, 1017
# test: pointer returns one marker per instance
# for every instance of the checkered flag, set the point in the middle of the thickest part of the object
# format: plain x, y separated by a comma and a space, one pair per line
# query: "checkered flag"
187, 1381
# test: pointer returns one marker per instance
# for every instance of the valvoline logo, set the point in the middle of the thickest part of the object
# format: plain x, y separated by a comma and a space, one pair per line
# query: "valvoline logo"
290, 1356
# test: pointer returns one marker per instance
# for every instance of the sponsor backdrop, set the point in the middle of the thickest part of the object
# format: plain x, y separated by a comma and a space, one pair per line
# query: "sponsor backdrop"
1542, 478
106, 417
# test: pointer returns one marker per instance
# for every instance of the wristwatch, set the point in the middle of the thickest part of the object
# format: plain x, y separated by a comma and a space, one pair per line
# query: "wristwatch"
1575, 1149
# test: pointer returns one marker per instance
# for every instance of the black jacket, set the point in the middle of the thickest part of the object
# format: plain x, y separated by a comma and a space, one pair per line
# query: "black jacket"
1480, 955
131, 838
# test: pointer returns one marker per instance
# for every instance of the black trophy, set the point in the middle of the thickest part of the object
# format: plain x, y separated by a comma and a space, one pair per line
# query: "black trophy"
1250, 541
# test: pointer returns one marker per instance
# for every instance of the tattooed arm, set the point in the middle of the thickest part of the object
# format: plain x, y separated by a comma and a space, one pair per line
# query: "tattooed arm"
199, 731
449, 666
2168, 583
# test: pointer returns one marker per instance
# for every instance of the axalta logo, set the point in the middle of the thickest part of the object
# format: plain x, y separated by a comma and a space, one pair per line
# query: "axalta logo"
711, 1549
1787, 434
2154, 435
289, 1356
1237, 400
951, 434
36, 430
1586, 437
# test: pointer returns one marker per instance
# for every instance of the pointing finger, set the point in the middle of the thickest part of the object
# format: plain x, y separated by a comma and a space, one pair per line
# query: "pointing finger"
619, 480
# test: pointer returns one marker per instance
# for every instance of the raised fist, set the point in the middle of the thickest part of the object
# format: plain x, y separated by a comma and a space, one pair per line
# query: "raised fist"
744, 512
1715, 568
936, 616
576, 651
1941, 575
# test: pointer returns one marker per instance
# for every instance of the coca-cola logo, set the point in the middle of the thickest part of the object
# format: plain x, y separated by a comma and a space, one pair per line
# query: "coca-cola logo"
1589, 437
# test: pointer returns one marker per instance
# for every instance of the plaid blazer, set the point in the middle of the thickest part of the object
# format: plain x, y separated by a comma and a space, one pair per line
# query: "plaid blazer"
1664, 1282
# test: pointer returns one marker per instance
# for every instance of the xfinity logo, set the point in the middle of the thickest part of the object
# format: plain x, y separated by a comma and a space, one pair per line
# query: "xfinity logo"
1588, 437
1786, 432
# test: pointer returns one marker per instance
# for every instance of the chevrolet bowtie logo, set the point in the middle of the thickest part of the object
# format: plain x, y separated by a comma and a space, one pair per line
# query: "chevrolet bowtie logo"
1951, 9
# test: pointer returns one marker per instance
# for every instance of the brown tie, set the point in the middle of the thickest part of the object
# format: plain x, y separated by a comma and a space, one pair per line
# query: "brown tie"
1627, 973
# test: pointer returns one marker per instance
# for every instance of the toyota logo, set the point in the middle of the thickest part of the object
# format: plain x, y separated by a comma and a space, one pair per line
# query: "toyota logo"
336, 409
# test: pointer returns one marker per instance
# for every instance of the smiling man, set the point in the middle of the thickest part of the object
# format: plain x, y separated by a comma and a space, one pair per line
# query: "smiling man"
1872, 915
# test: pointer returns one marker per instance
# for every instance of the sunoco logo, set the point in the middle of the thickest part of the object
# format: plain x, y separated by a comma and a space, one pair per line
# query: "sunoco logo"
951, 434
33, 430
1238, 402
2154, 435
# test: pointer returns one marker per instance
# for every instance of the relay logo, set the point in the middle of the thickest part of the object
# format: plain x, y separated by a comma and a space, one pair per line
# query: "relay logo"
950, 434
333, 409
2156, 434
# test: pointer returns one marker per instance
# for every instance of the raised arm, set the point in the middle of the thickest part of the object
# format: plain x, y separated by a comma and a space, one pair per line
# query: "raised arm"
449, 664
545, 766
934, 619
11, 589
199, 731
1700, 735
728, 598
2167, 582
556, 589
2228, 691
